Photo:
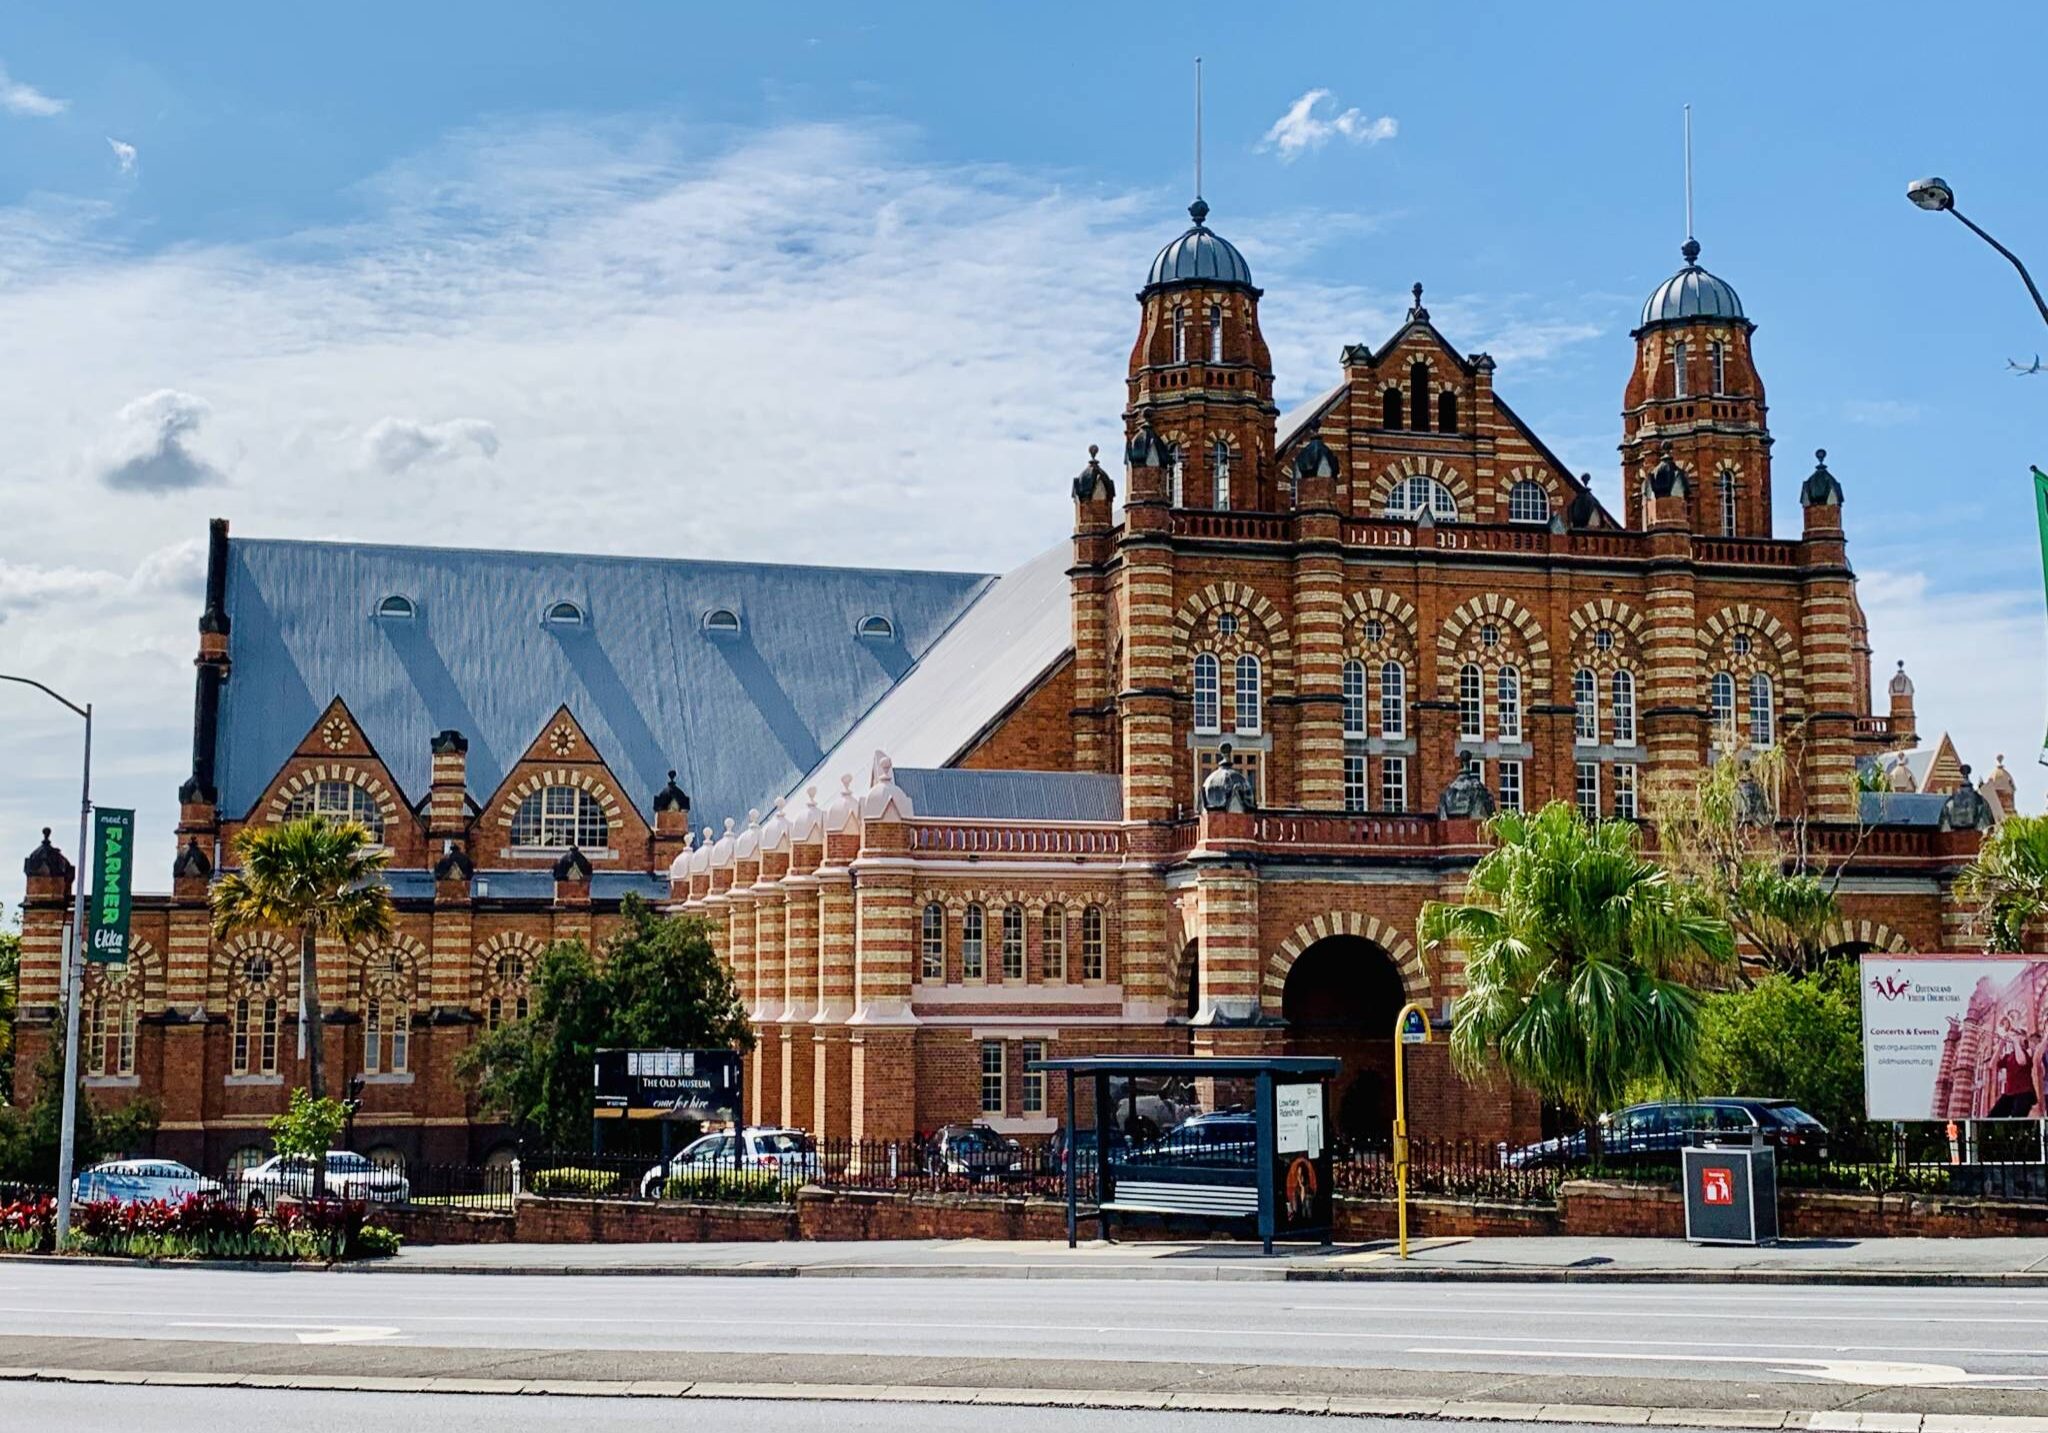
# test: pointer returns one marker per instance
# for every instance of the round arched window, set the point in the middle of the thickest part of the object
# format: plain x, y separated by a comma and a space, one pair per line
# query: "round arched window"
563, 614
877, 629
1528, 502
721, 622
396, 608
1412, 497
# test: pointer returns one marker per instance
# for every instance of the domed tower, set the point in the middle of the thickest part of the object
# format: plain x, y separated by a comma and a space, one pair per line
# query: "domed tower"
1695, 387
1201, 374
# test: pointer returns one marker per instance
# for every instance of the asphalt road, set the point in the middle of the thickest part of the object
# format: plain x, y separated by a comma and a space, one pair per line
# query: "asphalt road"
80, 1409
1883, 1337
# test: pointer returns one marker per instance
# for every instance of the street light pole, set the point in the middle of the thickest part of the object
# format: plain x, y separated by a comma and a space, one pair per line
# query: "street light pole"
73, 981
1936, 195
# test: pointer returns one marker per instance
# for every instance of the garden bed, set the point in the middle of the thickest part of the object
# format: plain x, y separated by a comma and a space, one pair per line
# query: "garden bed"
327, 1231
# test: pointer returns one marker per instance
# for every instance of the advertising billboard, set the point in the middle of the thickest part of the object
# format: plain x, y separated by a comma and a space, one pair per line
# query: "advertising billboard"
1955, 1037
113, 864
701, 1085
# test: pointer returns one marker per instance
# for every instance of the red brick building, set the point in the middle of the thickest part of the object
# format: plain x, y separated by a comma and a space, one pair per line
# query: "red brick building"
960, 815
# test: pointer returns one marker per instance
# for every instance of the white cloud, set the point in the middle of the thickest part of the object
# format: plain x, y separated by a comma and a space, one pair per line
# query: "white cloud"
18, 98
395, 444
150, 450
124, 154
1880, 412
1302, 128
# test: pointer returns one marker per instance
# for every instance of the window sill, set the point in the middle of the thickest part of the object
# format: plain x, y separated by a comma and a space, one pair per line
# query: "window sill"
253, 1081
112, 1082
403, 1078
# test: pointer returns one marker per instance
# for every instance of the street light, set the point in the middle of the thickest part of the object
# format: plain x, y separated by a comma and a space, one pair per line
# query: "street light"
1934, 194
74, 970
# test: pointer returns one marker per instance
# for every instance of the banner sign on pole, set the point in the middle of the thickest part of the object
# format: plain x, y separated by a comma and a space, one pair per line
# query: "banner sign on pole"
113, 870
2041, 520
1955, 1038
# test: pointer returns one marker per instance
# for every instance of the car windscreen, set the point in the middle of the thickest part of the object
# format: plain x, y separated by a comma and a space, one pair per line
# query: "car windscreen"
1793, 1117
782, 1142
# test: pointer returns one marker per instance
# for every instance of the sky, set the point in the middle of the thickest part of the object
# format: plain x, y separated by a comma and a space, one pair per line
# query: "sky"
799, 283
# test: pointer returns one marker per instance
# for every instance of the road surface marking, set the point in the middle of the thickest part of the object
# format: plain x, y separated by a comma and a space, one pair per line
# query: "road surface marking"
308, 1333
1884, 1375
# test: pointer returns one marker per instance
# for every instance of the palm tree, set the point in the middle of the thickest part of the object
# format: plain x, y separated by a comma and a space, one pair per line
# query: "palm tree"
2008, 882
317, 879
1580, 960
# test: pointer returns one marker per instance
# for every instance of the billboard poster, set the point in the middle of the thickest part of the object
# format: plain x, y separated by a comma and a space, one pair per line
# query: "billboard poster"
701, 1085
113, 869
1955, 1038
1302, 1177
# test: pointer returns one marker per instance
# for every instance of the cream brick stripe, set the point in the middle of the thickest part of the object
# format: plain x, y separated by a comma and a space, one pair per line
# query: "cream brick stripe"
1388, 938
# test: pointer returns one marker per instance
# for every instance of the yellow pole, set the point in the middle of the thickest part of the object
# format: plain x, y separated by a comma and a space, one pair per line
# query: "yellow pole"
1401, 1114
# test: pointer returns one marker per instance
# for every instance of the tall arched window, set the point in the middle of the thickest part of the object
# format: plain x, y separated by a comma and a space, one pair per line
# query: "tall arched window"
1219, 470
387, 1013
1762, 718
1052, 943
509, 992
1528, 501
1717, 355
1447, 412
1250, 696
1013, 942
336, 802
258, 989
1208, 693
1414, 496
1508, 704
931, 944
1679, 387
1390, 408
1721, 694
1094, 945
1178, 469
1585, 707
1418, 396
971, 936
1727, 486
1180, 335
1354, 699
1622, 709
559, 816
1215, 333
113, 1014
1471, 703
1393, 700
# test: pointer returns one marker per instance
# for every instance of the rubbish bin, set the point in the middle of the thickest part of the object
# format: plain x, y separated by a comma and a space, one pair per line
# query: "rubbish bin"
1731, 1193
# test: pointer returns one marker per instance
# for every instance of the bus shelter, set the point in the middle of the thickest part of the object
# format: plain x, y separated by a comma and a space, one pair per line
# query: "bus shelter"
1264, 1164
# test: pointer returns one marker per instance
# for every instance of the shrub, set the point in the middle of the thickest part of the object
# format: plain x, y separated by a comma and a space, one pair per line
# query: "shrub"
198, 1227
28, 1225
573, 1181
374, 1241
731, 1187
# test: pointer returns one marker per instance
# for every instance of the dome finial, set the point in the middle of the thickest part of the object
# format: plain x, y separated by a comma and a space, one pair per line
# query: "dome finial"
1199, 211
1691, 249
1417, 313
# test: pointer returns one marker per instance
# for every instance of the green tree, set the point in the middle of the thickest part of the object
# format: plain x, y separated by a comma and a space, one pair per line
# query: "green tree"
318, 880
1580, 959
29, 1134
308, 1126
1793, 1037
659, 986
10, 985
2008, 883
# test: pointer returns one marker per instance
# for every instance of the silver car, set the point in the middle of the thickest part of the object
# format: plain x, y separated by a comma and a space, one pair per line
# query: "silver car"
134, 1181
349, 1176
768, 1152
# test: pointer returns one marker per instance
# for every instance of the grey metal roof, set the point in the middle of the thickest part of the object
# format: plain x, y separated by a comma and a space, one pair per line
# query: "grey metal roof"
739, 716
1903, 808
1013, 795
1020, 629
1200, 255
1692, 292
1293, 421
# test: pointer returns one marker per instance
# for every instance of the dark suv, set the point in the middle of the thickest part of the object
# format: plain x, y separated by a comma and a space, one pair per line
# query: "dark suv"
974, 1151
1227, 1139
1667, 1126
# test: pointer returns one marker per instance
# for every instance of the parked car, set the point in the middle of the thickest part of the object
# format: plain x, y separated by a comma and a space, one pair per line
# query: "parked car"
131, 1181
1084, 1142
765, 1149
973, 1150
349, 1176
1667, 1126
1225, 1138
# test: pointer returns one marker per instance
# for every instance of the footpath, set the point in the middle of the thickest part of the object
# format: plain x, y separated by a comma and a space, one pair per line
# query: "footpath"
2014, 1263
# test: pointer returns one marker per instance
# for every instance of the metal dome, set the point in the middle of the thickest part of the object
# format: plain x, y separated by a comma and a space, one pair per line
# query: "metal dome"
1692, 292
1199, 256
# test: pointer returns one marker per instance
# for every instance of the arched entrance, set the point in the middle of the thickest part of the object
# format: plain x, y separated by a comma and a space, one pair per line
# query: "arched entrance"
1341, 997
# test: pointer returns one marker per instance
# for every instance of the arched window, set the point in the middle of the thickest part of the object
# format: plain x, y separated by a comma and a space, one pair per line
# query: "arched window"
1180, 335
1678, 376
1471, 703
1762, 718
1052, 940
1717, 355
1390, 404
1721, 694
722, 622
509, 997
971, 966
1508, 707
1622, 708
1219, 470
257, 991
557, 817
1208, 694
932, 944
1414, 496
1178, 470
336, 802
878, 629
113, 1014
1354, 699
1585, 707
387, 1013
562, 614
396, 608
1250, 696
1727, 485
1447, 412
1013, 942
1215, 333
1528, 501
1094, 945
1418, 396
1393, 700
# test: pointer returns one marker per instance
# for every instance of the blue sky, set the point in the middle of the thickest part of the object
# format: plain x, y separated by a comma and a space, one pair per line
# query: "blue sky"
493, 274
